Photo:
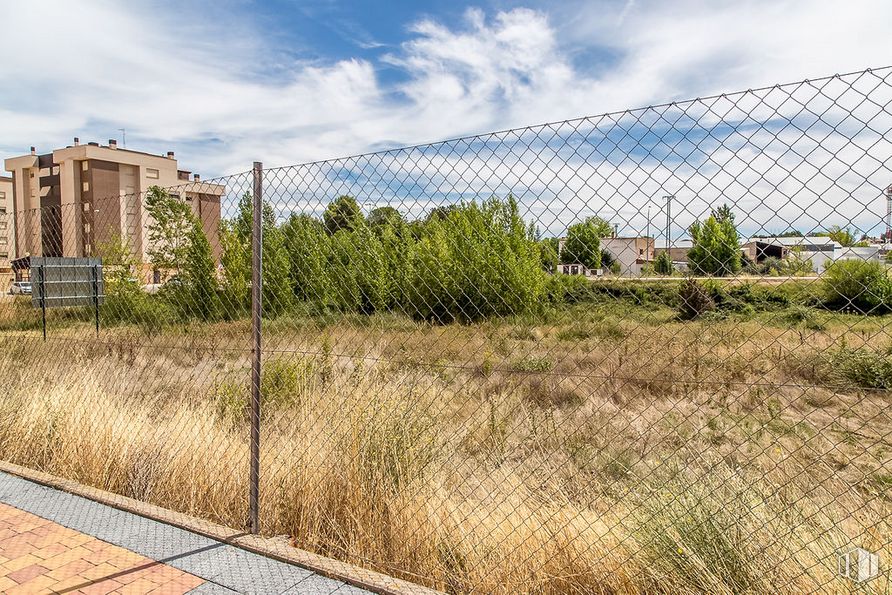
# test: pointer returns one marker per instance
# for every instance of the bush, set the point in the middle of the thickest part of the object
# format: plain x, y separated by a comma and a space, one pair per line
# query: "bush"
473, 262
532, 364
862, 285
663, 264
151, 314
567, 289
694, 299
864, 368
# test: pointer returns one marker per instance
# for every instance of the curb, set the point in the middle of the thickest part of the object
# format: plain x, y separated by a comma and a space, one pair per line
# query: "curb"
265, 546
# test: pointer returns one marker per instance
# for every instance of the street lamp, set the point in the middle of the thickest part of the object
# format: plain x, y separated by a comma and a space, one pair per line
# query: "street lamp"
668, 198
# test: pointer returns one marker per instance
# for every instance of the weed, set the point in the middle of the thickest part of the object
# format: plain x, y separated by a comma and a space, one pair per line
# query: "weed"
532, 364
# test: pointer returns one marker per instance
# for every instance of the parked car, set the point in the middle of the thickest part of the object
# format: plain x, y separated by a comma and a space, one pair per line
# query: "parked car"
20, 288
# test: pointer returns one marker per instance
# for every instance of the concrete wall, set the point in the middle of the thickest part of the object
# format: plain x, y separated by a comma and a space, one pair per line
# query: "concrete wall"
630, 253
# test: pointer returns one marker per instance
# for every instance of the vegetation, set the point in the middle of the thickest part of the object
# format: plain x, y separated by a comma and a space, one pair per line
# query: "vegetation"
663, 264
172, 221
441, 408
583, 243
716, 245
605, 446
860, 285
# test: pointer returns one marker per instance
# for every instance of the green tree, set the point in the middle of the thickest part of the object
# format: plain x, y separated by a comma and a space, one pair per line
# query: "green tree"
548, 253
170, 223
583, 243
199, 274
478, 260
386, 216
308, 247
342, 213
602, 227
844, 236
237, 250
716, 247
723, 213
236, 260
119, 265
663, 264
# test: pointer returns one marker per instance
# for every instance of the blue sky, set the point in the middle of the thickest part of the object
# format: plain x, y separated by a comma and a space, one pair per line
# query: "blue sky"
223, 83
227, 82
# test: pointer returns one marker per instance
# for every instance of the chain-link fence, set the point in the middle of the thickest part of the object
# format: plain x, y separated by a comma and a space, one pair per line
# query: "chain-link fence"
646, 351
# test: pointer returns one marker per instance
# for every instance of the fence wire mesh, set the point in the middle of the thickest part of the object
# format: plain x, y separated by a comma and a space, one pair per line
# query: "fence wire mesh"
646, 351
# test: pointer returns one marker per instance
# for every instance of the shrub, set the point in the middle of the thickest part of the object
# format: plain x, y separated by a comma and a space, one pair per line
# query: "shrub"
804, 316
532, 364
694, 299
149, 313
663, 264
569, 289
475, 261
862, 285
864, 368
715, 249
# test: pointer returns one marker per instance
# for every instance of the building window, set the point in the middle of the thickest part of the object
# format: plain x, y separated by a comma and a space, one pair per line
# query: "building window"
85, 165
2, 196
86, 186
55, 170
152, 174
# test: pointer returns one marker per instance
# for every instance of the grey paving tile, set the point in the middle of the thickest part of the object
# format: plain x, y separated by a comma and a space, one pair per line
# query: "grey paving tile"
211, 589
241, 570
227, 568
320, 585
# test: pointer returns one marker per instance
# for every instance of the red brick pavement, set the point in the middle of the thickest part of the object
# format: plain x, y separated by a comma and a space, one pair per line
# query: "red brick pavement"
40, 556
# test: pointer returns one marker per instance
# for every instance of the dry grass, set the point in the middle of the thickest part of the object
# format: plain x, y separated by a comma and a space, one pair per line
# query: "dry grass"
611, 452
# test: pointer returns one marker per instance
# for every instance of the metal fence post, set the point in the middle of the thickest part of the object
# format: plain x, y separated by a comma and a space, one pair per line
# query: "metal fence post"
256, 314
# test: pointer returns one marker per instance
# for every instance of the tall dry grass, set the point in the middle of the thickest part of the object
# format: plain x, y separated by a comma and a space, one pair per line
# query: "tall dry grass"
594, 456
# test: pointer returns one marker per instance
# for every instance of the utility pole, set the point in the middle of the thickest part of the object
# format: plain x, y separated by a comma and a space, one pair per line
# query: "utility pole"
887, 237
668, 199
647, 236
123, 136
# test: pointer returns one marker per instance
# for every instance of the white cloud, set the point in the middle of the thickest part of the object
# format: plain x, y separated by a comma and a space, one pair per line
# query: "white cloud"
220, 94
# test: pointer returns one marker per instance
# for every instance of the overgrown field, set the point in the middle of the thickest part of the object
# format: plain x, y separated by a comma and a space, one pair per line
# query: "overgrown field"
607, 445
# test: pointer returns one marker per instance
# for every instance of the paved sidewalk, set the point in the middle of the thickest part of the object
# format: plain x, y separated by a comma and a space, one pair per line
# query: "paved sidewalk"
52, 541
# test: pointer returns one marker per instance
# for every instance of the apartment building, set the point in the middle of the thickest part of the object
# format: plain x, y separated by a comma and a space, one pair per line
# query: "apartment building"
75, 200
6, 225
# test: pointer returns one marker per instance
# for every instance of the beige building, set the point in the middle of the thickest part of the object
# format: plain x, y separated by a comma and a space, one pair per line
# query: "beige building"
7, 239
75, 200
632, 253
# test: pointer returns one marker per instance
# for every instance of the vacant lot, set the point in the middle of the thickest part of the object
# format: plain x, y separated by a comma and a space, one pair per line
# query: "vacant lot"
603, 447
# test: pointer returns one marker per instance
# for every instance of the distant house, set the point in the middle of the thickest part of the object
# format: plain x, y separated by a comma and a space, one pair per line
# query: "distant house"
678, 251
819, 251
632, 253
579, 269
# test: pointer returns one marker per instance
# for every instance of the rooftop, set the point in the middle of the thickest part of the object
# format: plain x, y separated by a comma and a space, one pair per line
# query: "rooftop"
797, 241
